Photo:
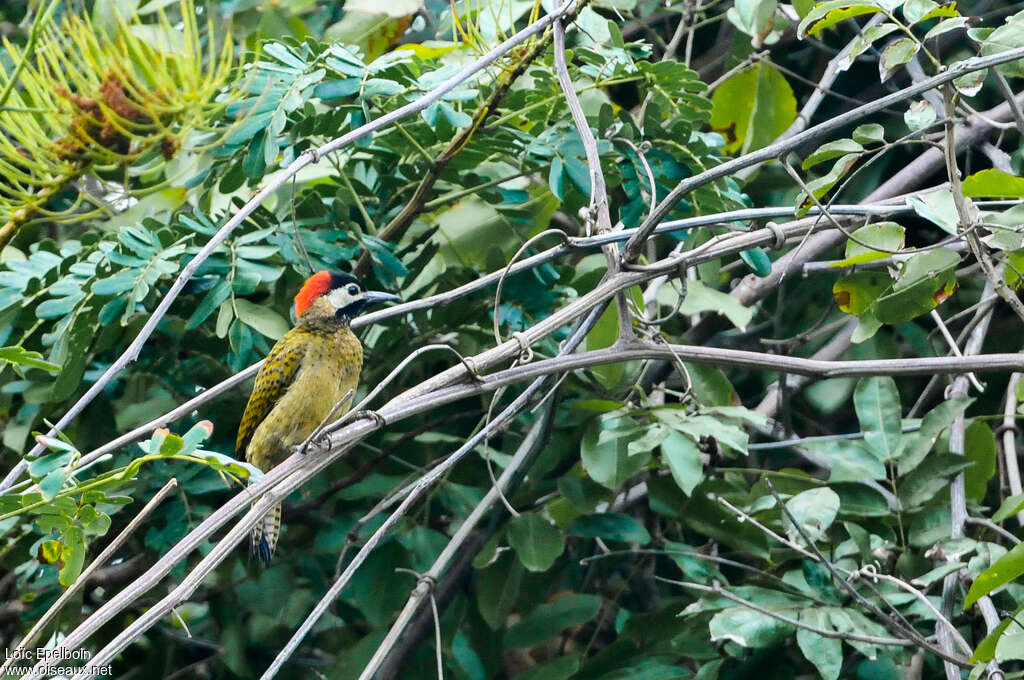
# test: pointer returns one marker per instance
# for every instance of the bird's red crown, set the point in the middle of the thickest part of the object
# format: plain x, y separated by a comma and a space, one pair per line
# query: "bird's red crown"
315, 286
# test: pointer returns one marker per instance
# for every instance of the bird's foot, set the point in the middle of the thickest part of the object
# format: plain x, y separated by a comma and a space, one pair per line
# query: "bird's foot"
373, 415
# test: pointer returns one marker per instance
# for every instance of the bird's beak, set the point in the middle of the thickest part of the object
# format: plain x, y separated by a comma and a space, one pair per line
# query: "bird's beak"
372, 297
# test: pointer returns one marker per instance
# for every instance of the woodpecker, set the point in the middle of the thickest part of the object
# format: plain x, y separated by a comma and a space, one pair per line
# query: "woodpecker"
307, 372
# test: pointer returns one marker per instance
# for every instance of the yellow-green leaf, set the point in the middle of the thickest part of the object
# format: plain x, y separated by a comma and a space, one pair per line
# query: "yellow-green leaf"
752, 108
993, 183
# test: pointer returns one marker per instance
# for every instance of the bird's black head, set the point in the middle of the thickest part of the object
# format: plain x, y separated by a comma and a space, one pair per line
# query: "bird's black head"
346, 294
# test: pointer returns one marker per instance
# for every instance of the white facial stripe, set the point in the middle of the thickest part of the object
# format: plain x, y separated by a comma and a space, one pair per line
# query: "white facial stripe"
340, 297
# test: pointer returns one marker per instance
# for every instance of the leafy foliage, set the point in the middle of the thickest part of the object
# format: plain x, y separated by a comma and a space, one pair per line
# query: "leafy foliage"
645, 539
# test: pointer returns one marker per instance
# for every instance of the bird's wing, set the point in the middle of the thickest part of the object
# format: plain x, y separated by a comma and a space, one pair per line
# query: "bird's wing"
273, 380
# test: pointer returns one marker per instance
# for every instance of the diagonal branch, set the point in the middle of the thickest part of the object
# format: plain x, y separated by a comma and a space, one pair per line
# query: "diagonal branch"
597, 212
635, 243
399, 224
311, 156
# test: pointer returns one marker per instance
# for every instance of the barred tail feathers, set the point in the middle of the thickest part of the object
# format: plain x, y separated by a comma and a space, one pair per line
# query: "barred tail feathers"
263, 538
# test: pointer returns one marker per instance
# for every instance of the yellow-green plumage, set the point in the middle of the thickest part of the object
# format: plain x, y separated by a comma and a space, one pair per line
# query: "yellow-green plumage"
310, 369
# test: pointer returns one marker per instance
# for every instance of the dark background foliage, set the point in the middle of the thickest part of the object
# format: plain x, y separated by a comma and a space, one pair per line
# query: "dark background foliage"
661, 527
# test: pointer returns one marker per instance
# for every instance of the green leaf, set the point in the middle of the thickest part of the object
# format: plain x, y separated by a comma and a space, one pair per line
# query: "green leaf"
171, 445
926, 281
607, 459
863, 43
72, 556
756, 18
1007, 568
814, 510
917, 445
752, 108
828, 14
916, 10
697, 426
682, 455
758, 261
856, 293
458, 119
711, 386
869, 133
46, 464
871, 243
851, 461
610, 526
603, 334
1011, 506
748, 628
497, 589
937, 574
993, 183
700, 298
549, 619
877, 402
831, 150
121, 282
93, 522
858, 500
1006, 37
822, 185
648, 441
919, 115
980, 449
537, 542
895, 54
945, 26
53, 482
938, 208
211, 301
825, 653
556, 178
196, 435
261, 318
22, 357
928, 479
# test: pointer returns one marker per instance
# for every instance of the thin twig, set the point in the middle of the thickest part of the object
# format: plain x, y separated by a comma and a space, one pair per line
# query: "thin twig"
889, 622
967, 217
992, 526
1010, 441
953, 347
419, 488
311, 156
684, 187
1011, 98
397, 226
521, 461
101, 559
597, 212
823, 632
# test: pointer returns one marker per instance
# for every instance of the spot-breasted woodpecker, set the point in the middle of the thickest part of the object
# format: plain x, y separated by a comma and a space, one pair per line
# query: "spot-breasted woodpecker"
307, 372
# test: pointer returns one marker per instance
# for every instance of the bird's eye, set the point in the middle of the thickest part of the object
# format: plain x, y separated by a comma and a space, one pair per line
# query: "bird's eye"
353, 290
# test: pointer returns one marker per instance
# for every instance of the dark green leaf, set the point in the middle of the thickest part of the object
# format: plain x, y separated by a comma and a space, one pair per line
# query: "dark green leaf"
612, 527
537, 542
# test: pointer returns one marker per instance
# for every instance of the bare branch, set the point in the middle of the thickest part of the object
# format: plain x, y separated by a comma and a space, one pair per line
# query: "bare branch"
83, 578
597, 212
521, 461
311, 156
